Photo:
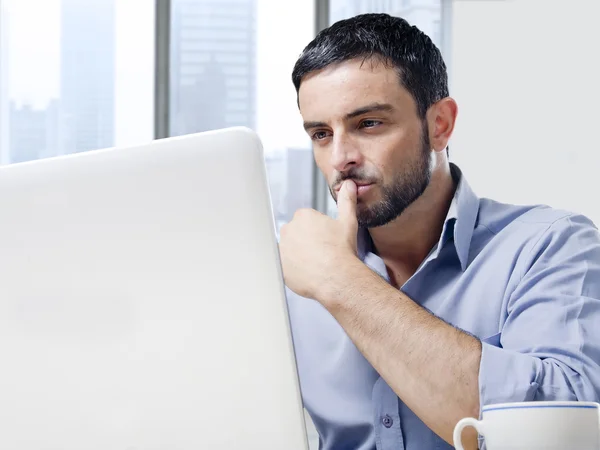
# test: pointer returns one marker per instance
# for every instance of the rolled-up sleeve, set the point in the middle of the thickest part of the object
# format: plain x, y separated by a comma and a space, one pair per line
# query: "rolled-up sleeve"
549, 345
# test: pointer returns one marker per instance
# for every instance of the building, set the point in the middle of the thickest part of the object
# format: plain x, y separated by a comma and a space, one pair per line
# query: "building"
53, 130
299, 180
213, 65
87, 75
33, 133
27, 133
290, 174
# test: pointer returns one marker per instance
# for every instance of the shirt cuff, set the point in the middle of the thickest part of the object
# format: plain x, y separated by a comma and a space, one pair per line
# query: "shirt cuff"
506, 376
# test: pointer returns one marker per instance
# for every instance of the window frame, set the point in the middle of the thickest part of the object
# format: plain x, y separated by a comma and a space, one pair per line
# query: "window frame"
162, 60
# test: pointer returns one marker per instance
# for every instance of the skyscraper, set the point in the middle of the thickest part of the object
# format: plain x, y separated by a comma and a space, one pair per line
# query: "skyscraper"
213, 65
27, 133
87, 75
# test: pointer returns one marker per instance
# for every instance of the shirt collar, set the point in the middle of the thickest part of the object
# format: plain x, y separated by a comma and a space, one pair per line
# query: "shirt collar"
459, 223
463, 212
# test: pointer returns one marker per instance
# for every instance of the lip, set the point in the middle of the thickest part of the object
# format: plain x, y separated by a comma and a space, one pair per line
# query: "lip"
363, 188
360, 187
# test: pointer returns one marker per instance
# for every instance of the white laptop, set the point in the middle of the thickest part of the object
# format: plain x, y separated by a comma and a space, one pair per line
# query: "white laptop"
142, 305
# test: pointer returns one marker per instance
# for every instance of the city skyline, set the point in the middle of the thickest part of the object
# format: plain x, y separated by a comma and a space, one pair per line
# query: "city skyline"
81, 117
214, 81
213, 77
31, 56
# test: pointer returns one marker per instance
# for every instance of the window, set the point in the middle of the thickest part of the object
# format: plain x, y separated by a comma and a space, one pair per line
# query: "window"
73, 77
231, 64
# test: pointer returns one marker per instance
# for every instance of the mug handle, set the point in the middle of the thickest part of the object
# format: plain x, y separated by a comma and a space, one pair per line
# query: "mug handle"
461, 425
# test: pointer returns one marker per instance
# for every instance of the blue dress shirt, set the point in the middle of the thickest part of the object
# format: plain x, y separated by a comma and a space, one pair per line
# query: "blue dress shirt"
525, 280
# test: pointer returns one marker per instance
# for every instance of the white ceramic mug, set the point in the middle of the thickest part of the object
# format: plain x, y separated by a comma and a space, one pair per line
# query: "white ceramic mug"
536, 426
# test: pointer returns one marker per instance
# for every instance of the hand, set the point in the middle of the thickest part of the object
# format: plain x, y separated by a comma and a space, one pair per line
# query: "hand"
315, 248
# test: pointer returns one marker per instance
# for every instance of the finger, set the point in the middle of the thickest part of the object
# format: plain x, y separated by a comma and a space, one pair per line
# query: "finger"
347, 204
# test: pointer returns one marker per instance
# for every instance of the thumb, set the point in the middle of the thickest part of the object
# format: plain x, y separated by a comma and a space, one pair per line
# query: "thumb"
347, 205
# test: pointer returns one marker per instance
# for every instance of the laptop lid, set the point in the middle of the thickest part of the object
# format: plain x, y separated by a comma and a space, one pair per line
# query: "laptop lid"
142, 305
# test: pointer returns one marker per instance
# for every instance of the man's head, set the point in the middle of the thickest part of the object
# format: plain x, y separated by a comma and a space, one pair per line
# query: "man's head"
373, 94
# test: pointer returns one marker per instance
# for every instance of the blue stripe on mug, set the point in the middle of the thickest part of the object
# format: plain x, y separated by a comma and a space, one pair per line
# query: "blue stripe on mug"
491, 408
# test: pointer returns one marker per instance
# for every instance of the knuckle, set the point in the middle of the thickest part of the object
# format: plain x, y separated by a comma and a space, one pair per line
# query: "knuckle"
300, 213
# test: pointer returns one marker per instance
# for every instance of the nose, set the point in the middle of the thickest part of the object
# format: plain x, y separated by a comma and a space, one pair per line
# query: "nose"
345, 153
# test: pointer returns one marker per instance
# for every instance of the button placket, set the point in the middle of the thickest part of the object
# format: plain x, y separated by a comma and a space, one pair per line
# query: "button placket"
388, 434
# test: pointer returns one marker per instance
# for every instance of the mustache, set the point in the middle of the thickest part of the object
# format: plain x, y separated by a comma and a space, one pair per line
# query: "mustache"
357, 176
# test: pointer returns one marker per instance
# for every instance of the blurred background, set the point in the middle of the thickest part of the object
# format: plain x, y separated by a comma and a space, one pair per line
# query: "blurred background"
78, 75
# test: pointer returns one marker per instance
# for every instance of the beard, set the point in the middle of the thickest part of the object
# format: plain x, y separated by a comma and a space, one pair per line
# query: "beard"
399, 194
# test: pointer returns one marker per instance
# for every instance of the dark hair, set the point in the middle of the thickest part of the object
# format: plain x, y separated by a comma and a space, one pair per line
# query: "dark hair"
392, 40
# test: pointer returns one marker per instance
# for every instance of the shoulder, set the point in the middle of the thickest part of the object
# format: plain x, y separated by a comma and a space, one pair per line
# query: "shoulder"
531, 220
538, 230
496, 215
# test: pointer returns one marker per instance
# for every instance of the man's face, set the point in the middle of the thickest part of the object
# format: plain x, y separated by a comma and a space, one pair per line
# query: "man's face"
365, 127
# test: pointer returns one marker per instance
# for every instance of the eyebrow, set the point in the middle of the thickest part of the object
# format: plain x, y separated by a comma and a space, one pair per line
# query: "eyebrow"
385, 107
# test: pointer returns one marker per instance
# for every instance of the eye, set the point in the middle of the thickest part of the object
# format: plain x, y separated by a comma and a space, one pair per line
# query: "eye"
369, 123
319, 135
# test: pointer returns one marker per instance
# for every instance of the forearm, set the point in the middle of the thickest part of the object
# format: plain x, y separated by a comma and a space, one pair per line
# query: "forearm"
432, 366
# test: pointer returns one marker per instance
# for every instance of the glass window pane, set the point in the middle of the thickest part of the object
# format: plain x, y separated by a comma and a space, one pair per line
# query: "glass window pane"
73, 77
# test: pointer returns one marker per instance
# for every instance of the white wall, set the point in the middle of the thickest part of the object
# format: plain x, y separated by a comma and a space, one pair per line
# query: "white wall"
526, 76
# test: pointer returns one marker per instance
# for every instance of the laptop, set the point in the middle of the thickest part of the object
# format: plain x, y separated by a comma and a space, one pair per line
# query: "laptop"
142, 304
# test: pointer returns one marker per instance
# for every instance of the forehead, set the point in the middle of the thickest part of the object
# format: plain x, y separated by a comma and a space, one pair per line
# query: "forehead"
344, 87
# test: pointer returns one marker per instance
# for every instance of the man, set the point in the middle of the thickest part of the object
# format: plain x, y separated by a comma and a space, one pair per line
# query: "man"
422, 302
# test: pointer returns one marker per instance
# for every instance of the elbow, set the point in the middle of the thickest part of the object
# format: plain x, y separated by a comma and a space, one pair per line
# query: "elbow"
559, 381
510, 376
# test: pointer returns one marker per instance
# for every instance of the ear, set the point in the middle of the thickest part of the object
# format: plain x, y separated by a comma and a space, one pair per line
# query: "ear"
441, 118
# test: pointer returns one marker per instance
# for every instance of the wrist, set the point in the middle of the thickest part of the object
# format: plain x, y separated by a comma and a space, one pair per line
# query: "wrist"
347, 279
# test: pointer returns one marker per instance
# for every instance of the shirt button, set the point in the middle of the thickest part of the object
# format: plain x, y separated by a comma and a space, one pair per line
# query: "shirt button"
387, 421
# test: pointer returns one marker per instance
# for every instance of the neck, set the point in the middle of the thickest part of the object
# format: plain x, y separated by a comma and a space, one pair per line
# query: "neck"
406, 241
